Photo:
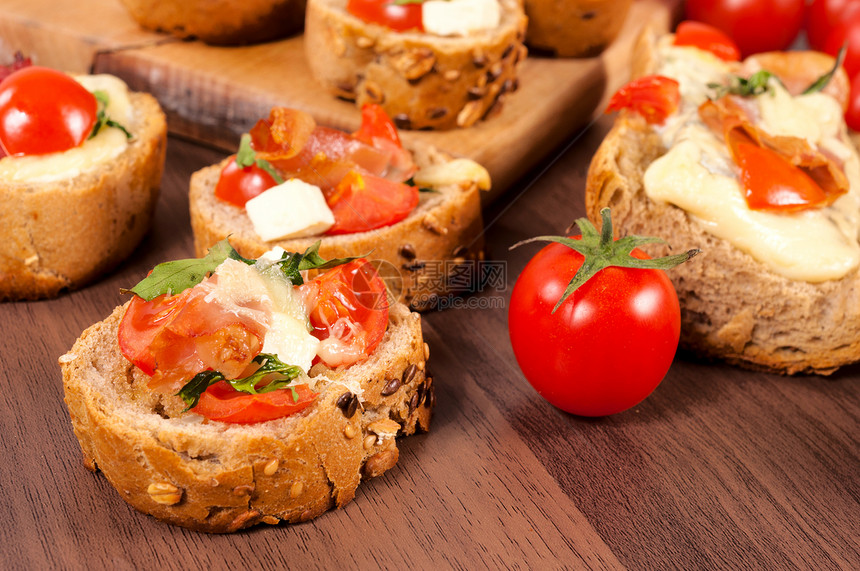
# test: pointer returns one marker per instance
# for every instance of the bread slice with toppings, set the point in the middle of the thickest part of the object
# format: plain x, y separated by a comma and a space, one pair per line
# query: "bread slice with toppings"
217, 477
735, 305
423, 81
444, 230
63, 233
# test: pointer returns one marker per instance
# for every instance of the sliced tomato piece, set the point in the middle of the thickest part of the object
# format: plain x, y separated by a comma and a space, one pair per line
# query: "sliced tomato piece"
773, 184
655, 97
377, 129
349, 311
708, 38
237, 185
223, 403
362, 202
172, 338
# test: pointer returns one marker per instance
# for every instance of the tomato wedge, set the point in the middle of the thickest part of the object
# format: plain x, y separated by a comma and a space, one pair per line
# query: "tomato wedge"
773, 184
654, 97
399, 17
708, 38
237, 185
362, 202
349, 311
223, 403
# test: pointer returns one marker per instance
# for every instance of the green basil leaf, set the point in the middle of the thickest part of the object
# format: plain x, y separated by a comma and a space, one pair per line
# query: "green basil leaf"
178, 275
246, 156
269, 365
820, 83
102, 120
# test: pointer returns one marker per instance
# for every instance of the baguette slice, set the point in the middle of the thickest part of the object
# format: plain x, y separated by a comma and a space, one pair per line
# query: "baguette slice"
444, 230
217, 477
733, 307
62, 235
574, 28
423, 81
220, 22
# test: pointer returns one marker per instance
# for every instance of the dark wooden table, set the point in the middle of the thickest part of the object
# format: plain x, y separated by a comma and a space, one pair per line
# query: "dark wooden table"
719, 468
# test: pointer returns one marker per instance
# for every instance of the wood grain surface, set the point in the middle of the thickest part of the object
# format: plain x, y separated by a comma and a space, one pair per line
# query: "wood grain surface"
214, 94
719, 469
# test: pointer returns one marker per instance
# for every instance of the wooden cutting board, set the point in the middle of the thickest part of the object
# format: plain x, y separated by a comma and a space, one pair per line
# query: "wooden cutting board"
213, 94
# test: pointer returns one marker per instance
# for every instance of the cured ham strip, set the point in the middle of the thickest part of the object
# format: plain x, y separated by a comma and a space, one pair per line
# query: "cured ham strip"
728, 118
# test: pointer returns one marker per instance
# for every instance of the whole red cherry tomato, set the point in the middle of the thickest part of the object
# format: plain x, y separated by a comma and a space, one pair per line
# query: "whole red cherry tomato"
754, 25
847, 33
607, 345
237, 185
399, 17
44, 111
823, 16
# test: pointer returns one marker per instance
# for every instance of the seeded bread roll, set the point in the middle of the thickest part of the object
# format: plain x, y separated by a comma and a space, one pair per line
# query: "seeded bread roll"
423, 81
216, 477
62, 235
574, 28
733, 307
220, 22
444, 230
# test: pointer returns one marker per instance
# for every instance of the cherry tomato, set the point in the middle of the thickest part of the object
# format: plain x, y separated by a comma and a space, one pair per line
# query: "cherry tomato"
847, 33
822, 16
708, 38
654, 97
608, 345
237, 185
362, 202
772, 183
223, 403
44, 111
349, 311
399, 17
852, 115
755, 25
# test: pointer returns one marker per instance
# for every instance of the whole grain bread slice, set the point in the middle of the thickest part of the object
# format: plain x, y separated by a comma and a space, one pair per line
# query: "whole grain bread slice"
217, 477
732, 306
421, 80
62, 235
443, 232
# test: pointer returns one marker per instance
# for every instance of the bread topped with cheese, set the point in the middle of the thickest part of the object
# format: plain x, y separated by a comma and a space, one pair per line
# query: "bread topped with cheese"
222, 475
453, 74
70, 216
773, 290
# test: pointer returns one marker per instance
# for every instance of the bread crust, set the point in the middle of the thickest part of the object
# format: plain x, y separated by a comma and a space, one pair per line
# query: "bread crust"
219, 478
422, 81
220, 22
574, 28
732, 306
62, 235
442, 234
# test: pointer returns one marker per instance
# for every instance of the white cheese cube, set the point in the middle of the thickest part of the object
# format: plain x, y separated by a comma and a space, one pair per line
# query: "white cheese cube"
459, 17
290, 210
288, 338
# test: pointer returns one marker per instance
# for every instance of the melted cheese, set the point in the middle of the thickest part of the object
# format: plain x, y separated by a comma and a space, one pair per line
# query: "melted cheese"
105, 146
263, 289
698, 175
